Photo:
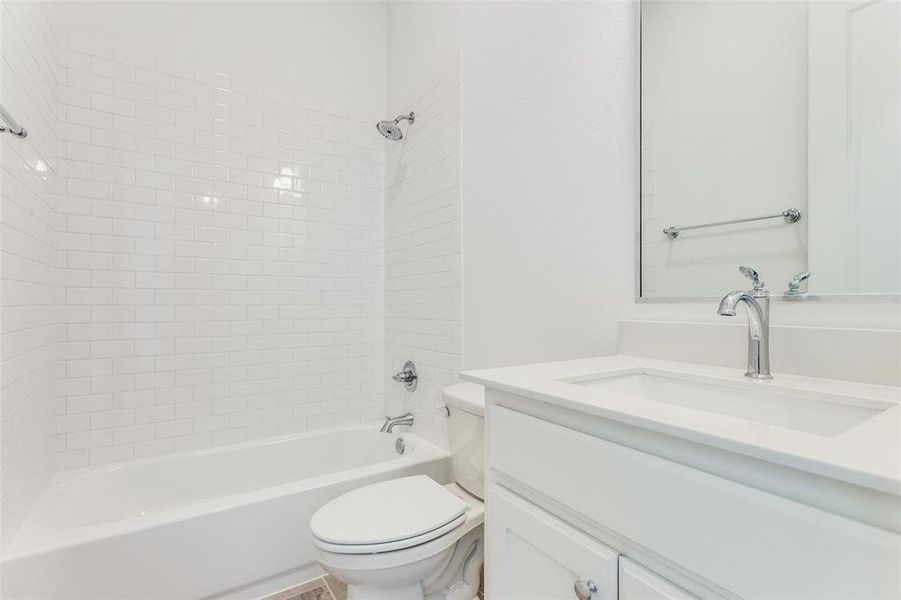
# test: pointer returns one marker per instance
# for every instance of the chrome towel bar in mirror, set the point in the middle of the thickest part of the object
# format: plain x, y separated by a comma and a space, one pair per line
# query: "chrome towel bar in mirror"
789, 215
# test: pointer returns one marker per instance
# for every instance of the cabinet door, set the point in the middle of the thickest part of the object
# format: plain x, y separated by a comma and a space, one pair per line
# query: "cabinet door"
637, 583
531, 555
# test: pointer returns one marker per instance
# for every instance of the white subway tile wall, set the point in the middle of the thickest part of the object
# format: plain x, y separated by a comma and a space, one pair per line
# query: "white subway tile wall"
224, 258
30, 299
422, 255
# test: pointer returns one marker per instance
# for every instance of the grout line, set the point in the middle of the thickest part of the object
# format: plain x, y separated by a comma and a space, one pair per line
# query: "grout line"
329, 589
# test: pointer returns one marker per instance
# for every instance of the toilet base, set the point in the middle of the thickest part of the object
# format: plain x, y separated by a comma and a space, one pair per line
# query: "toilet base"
365, 592
410, 592
454, 574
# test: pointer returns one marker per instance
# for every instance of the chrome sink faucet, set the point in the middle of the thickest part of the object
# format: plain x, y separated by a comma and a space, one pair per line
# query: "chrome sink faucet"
758, 301
392, 422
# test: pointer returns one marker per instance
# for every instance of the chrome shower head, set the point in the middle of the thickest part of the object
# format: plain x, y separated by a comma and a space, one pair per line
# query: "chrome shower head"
391, 129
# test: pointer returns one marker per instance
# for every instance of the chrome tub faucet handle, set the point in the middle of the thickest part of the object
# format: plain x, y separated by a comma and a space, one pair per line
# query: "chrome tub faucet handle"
408, 376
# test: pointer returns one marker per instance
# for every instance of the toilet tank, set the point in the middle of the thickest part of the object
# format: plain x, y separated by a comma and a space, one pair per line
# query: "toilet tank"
466, 432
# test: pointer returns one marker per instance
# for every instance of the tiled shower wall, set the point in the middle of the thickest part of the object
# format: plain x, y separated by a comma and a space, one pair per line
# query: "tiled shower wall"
223, 244
422, 254
30, 320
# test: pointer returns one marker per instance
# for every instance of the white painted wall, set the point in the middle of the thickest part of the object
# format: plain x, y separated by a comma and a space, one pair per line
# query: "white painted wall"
548, 166
30, 319
724, 136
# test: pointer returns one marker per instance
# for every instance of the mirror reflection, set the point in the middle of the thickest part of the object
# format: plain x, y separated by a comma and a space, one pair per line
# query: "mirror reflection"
771, 137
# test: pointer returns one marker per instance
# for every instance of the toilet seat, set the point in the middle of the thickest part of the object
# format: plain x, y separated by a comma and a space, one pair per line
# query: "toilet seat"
380, 561
391, 546
387, 516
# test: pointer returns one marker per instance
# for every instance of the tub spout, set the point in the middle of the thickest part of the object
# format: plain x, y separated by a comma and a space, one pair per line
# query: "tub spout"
391, 422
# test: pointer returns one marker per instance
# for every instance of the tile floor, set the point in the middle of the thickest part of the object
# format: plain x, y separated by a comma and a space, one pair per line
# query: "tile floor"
321, 588
327, 588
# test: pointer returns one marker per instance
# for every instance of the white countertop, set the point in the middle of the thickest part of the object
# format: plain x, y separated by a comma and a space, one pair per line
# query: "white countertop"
868, 454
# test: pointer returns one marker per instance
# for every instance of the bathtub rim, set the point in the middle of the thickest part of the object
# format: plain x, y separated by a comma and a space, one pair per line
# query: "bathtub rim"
34, 538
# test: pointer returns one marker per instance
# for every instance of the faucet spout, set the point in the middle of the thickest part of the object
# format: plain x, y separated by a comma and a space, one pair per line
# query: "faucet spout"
392, 422
730, 302
758, 302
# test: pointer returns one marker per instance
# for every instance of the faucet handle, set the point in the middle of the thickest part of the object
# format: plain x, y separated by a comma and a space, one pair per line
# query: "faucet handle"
801, 277
794, 286
408, 376
753, 275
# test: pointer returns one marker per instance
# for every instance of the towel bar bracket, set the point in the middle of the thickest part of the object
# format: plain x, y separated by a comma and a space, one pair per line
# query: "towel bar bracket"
11, 125
20, 132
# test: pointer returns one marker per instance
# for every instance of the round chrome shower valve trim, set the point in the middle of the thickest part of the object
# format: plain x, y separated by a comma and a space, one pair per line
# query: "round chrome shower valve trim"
408, 376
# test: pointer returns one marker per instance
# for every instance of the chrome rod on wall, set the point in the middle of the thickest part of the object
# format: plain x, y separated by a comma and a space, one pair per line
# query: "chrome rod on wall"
789, 215
12, 125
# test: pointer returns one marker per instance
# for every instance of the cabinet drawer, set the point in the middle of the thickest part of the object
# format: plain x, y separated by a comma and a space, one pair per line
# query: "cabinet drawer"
750, 542
532, 555
637, 583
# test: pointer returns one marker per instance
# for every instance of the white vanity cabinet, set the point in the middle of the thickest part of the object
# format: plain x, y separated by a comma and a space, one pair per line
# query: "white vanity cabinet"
534, 556
638, 583
565, 504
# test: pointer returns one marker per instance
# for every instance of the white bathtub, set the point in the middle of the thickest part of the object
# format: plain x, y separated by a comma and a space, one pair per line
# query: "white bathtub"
223, 522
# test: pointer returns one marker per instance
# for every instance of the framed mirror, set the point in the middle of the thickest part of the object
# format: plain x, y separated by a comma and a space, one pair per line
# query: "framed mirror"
770, 137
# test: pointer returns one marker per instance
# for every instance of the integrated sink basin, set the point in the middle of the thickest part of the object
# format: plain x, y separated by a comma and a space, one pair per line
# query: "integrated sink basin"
843, 430
767, 403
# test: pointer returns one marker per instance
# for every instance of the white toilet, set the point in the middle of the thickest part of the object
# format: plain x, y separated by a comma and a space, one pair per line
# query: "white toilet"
412, 538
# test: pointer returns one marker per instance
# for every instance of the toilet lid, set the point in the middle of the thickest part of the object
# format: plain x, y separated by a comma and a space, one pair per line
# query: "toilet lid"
389, 511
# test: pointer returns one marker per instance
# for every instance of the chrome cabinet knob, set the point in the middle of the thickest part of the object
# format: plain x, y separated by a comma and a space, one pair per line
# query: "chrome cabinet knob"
585, 590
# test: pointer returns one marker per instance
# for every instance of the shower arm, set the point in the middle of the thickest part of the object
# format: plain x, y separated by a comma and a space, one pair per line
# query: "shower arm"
409, 118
